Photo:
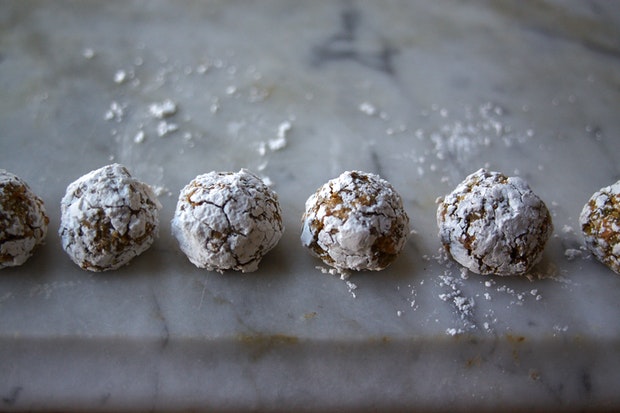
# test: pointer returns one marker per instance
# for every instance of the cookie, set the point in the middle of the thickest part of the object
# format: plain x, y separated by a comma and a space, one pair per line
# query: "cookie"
355, 222
600, 225
108, 218
227, 221
493, 224
23, 220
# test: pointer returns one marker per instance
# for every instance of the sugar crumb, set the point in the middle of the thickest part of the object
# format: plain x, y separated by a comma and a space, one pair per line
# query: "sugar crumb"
88, 53
164, 109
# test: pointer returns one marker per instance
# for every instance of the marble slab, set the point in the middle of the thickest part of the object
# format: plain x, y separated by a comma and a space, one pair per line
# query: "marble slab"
422, 93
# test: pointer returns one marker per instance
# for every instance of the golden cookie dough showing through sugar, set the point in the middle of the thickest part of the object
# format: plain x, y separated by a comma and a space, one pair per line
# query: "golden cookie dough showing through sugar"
493, 224
600, 225
108, 218
227, 221
355, 222
23, 220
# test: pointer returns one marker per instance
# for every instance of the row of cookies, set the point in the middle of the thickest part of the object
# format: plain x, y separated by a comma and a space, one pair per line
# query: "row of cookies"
490, 223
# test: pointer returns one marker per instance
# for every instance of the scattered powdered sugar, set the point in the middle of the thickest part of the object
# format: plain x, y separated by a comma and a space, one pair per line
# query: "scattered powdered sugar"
342, 275
462, 305
461, 136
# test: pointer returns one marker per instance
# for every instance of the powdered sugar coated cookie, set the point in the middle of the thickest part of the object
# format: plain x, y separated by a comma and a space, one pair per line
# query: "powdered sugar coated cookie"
226, 220
355, 222
600, 225
23, 220
108, 218
493, 224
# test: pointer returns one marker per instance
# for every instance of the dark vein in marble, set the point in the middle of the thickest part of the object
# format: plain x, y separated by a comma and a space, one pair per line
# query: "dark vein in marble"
160, 316
11, 399
597, 138
343, 45
557, 21
376, 163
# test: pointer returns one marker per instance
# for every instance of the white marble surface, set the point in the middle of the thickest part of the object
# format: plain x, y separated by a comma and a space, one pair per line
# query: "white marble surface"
422, 93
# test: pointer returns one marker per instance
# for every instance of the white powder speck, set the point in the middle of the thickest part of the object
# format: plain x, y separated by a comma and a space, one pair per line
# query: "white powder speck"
214, 107
120, 76
88, 53
163, 109
164, 128
368, 108
116, 112
572, 253
567, 229
325, 270
262, 148
139, 138
280, 141
454, 331
399, 313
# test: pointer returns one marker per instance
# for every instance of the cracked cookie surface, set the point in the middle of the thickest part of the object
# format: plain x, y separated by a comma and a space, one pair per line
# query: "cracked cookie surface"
23, 220
493, 224
108, 218
355, 222
600, 225
227, 221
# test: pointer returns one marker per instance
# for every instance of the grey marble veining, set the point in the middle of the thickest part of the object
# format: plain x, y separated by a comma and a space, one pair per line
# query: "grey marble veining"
422, 93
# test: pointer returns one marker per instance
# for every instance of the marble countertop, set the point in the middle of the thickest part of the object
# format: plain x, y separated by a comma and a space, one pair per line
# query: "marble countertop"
422, 93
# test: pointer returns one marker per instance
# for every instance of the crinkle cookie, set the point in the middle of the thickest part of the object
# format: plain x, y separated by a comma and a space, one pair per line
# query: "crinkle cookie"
227, 220
493, 224
600, 225
355, 222
23, 221
108, 218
